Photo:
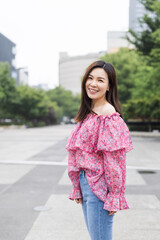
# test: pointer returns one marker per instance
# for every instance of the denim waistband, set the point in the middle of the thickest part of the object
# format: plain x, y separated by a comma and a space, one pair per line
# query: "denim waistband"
82, 172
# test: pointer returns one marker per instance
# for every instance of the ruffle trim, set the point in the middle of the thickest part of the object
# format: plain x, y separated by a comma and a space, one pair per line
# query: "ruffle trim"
116, 202
100, 133
75, 193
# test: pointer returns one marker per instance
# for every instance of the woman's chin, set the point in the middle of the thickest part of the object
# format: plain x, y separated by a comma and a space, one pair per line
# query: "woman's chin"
91, 96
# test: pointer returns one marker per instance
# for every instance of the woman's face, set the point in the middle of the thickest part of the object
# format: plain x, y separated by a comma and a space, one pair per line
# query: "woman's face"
97, 84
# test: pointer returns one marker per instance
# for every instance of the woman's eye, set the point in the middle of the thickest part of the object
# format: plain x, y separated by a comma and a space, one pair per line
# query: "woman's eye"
100, 80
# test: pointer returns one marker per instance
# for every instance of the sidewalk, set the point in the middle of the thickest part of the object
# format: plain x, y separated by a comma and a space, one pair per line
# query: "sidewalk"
26, 187
145, 134
65, 219
154, 133
141, 222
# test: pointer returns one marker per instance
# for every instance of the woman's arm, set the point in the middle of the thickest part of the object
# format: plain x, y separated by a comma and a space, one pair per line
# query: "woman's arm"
73, 173
115, 175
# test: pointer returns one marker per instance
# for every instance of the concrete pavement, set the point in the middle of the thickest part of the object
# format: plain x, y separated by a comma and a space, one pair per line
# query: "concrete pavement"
34, 202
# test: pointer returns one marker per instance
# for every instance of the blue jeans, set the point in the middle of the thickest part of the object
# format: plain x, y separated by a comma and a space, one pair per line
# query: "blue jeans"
98, 221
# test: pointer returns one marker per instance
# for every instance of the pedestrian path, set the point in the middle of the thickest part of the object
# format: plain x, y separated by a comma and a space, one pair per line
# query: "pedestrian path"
64, 220
34, 189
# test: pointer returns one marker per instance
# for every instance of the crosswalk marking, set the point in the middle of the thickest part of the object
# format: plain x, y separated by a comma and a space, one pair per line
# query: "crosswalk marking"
65, 220
65, 179
134, 178
65, 163
9, 174
47, 163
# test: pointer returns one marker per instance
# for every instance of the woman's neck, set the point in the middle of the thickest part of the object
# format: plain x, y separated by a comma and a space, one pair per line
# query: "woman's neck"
98, 103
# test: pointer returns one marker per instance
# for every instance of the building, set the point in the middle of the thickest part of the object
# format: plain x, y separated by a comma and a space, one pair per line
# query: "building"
71, 69
115, 40
22, 76
136, 10
8, 53
43, 86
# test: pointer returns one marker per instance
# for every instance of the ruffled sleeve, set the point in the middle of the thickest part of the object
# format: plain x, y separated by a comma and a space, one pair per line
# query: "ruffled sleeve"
73, 173
114, 134
115, 175
99, 133
114, 142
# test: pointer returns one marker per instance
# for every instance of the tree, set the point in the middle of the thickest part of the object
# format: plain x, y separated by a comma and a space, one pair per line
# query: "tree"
147, 42
23, 103
145, 100
126, 63
34, 105
65, 100
8, 91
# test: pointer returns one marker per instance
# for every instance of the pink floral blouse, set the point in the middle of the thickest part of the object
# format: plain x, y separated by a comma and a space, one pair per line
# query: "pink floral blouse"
98, 145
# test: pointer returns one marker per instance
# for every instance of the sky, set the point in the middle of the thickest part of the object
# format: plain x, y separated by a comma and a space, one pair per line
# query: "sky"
43, 28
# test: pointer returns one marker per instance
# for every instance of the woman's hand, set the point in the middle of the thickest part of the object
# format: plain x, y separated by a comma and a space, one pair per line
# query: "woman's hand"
112, 212
78, 200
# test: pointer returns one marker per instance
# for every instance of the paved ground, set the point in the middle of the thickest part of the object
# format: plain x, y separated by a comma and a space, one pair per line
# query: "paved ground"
34, 188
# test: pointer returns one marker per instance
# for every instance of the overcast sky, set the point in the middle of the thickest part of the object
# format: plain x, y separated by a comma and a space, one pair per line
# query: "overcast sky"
43, 28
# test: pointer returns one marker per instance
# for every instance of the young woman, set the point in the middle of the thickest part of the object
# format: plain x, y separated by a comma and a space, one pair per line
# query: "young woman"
97, 150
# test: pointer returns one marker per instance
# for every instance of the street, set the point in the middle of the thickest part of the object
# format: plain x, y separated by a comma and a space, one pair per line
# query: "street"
34, 188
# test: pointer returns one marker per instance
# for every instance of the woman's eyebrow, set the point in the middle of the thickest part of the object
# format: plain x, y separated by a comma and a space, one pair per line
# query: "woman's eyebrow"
98, 77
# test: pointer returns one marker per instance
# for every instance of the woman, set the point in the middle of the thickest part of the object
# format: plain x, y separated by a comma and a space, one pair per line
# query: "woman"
97, 150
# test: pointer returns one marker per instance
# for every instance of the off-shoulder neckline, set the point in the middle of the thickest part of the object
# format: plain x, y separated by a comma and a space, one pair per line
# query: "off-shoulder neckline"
104, 116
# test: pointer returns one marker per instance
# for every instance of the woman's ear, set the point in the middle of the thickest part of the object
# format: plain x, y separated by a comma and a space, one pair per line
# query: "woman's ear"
107, 89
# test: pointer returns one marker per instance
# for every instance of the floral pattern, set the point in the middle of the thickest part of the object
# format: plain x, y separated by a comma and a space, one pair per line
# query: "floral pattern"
99, 144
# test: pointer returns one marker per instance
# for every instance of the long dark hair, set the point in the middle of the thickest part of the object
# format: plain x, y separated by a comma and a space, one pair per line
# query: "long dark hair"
111, 95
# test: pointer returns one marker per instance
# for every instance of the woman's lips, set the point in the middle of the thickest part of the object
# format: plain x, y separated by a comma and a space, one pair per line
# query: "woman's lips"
92, 91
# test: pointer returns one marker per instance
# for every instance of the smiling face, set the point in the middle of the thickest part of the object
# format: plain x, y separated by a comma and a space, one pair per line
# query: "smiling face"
97, 84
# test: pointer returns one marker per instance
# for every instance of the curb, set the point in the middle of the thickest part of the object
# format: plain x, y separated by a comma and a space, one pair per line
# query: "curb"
145, 134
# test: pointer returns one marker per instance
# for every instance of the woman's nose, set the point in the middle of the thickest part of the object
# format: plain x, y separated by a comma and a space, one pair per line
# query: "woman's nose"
94, 83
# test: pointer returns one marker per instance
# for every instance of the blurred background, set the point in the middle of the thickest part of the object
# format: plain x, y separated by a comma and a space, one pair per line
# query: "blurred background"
45, 48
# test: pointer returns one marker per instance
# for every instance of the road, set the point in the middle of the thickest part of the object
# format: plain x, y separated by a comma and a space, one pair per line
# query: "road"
34, 188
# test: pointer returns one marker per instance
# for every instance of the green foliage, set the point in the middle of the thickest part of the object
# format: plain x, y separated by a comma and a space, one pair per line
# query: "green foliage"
55, 112
147, 42
138, 75
138, 84
35, 107
32, 103
126, 63
65, 100
144, 108
8, 90
145, 96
